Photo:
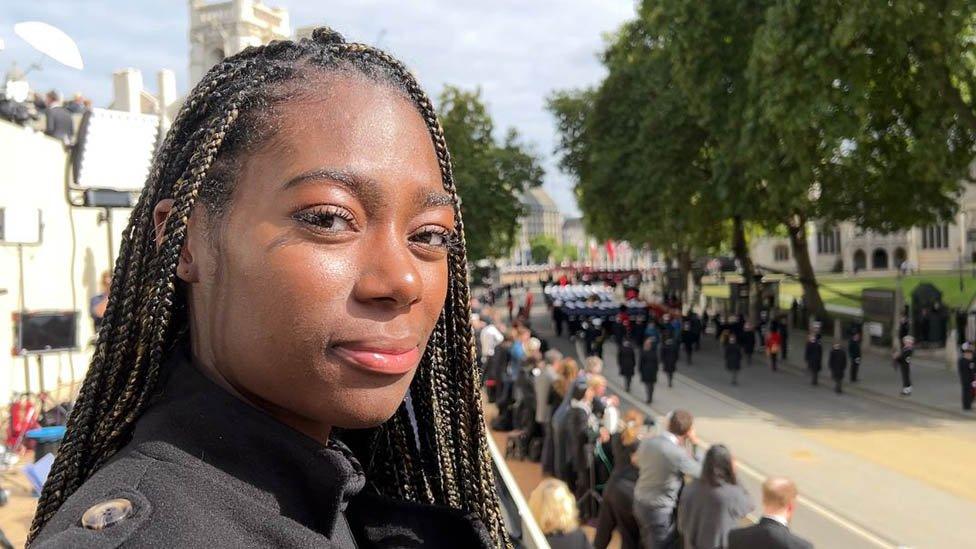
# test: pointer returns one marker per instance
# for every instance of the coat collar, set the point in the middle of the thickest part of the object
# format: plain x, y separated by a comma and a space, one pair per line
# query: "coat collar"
276, 465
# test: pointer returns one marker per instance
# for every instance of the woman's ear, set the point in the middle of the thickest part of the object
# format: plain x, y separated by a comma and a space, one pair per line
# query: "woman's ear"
186, 269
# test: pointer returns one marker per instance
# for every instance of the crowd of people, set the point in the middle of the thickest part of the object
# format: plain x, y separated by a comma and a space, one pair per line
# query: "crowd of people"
49, 112
656, 486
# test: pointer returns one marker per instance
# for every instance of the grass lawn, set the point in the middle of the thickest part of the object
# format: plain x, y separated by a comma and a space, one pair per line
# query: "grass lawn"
947, 283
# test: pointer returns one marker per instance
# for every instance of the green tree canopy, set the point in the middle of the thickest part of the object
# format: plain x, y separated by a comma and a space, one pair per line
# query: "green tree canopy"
490, 176
543, 247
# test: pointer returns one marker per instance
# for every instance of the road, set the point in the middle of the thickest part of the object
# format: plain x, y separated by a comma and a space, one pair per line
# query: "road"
871, 474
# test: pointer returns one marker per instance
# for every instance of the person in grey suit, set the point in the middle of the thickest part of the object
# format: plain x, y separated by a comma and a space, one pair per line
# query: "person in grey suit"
714, 504
543, 384
772, 531
662, 462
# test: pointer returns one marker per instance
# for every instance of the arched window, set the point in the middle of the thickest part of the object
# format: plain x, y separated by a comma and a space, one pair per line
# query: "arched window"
900, 257
860, 260
879, 259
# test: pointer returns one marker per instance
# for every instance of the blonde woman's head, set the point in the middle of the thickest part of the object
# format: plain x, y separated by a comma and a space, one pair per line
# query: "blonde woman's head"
554, 507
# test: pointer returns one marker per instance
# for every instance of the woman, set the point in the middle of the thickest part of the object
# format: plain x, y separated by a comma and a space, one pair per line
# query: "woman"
773, 347
626, 360
554, 510
616, 511
713, 504
669, 356
293, 271
648, 366
733, 358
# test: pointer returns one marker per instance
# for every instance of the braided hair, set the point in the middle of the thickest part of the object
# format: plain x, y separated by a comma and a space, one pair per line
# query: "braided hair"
230, 111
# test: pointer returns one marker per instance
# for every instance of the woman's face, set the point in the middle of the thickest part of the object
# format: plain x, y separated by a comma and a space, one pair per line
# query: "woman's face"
329, 270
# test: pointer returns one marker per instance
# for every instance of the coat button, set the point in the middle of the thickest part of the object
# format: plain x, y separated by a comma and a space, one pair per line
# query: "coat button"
107, 513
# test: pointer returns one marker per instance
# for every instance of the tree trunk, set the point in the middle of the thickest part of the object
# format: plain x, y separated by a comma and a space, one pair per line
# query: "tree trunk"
740, 249
796, 226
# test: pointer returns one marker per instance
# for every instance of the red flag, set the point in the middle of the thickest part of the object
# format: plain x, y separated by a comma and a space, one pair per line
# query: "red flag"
611, 252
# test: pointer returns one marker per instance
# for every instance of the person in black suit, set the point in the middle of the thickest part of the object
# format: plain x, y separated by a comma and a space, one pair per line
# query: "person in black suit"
814, 357
967, 372
854, 352
626, 361
837, 361
648, 365
772, 531
58, 124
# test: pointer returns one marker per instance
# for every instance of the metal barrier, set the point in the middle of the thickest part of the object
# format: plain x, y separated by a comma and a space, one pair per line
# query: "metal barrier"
519, 521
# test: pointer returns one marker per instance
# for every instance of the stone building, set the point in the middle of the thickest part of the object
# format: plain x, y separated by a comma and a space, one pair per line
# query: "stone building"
222, 29
542, 218
849, 249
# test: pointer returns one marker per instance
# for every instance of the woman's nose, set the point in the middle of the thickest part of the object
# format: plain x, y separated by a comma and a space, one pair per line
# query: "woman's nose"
389, 274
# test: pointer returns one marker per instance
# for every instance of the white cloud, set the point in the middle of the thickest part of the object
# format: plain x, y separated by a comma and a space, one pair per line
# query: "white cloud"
517, 51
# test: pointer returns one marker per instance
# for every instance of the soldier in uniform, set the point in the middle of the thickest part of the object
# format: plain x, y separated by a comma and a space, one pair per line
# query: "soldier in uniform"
293, 268
903, 361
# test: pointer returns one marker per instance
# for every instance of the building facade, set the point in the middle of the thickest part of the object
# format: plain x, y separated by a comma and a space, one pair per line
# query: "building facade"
223, 29
542, 217
847, 248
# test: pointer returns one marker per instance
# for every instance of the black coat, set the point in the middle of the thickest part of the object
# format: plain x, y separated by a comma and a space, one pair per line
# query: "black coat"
669, 355
626, 360
814, 355
205, 469
748, 341
837, 363
767, 534
967, 370
854, 349
733, 357
648, 364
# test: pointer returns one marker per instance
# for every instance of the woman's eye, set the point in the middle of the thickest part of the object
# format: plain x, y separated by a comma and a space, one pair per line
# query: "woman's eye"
329, 219
435, 238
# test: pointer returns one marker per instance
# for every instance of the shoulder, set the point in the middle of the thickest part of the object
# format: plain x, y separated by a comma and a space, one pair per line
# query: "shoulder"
138, 499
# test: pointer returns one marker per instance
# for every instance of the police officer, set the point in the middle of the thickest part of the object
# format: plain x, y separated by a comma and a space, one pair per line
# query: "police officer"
854, 352
967, 372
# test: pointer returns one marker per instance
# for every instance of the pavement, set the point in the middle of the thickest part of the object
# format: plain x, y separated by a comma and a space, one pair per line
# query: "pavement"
873, 470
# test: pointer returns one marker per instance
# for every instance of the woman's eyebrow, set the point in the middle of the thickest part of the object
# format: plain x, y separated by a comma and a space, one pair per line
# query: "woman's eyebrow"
361, 186
433, 199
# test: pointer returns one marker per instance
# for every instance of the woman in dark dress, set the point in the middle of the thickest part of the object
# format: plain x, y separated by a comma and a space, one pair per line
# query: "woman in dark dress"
649, 365
293, 271
626, 361
733, 358
554, 509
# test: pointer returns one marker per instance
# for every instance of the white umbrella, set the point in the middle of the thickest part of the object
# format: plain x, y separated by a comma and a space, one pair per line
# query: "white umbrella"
50, 41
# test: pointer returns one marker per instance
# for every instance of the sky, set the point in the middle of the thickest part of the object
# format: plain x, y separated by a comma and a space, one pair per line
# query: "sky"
516, 52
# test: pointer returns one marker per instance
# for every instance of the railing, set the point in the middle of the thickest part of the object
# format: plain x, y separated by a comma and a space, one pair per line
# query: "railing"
521, 525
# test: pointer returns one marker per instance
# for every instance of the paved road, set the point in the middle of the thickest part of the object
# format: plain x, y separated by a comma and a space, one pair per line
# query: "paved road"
871, 474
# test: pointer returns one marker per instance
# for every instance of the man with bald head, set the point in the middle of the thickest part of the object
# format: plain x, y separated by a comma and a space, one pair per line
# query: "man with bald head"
772, 531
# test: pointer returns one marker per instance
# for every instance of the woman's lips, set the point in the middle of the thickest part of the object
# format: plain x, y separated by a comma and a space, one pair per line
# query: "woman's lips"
382, 361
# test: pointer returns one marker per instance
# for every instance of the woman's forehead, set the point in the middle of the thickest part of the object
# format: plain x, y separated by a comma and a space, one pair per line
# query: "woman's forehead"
352, 125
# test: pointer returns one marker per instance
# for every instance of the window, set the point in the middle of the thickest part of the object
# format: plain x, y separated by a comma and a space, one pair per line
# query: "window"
828, 241
781, 252
935, 237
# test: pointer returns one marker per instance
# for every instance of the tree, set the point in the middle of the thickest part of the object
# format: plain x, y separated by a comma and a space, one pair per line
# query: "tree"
639, 160
490, 176
542, 248
855, 115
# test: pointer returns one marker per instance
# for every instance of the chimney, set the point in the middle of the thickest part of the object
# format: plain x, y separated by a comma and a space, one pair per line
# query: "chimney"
127, 87
167, 96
